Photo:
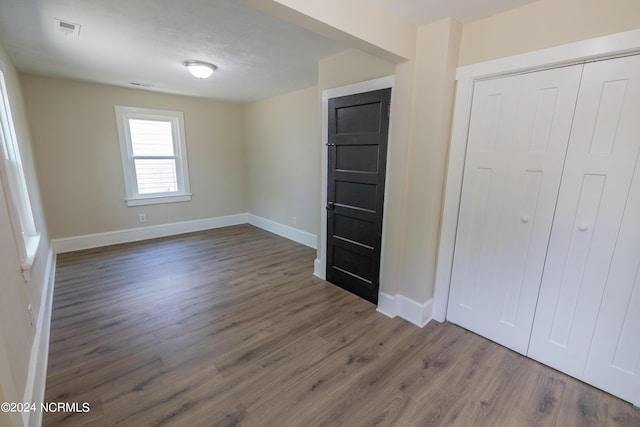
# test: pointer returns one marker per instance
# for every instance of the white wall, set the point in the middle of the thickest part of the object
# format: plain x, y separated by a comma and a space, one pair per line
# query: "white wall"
16, 332
283, 152
431, 110
78, 156
545, 23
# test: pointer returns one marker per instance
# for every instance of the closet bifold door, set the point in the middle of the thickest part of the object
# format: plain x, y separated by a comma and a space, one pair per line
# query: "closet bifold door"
587, 321
516, 146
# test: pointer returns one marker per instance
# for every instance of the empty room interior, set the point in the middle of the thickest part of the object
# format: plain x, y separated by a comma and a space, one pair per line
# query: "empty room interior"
320, 213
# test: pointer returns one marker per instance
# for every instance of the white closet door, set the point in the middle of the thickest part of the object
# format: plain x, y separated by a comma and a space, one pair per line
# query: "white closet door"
517, 142
614, 359
591, 249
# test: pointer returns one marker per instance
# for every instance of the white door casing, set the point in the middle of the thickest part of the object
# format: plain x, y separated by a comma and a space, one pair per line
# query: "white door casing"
517, 142
320, 264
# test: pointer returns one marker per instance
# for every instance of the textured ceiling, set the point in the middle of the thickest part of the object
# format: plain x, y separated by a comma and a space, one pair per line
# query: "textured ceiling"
146, 42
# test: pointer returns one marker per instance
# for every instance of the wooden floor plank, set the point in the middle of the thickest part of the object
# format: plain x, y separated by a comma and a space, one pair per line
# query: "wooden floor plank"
229, 327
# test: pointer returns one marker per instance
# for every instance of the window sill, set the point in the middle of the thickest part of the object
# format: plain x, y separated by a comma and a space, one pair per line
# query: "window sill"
31, 244
158, 200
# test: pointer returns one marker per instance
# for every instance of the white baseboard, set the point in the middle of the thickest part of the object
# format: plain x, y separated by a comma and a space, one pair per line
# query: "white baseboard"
318, 271
90, 241
410, 310
37, 375
387, 305
285, 231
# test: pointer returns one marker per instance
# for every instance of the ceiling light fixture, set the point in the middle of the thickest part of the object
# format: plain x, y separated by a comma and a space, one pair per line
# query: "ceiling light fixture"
200, 69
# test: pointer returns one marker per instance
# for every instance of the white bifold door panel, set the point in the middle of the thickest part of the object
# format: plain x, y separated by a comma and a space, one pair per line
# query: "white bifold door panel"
587, 321
518, 135
614, 357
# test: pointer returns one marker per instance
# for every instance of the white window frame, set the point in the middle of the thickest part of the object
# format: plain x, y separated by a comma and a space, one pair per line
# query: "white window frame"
176, 118
15, 185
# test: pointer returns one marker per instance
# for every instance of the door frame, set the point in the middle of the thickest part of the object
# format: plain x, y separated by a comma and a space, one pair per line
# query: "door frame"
320, 264
620, 44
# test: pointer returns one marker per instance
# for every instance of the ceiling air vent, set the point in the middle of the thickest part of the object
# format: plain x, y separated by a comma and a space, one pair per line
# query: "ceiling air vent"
68, 28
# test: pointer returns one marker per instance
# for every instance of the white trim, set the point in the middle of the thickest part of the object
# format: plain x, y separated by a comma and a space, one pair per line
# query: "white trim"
37, 375
318, 271
387, 305
89, 241
141, 201
414, 312
31, 244
410, 310
290, 233
320, 266
16, 188
598, 48
176, 119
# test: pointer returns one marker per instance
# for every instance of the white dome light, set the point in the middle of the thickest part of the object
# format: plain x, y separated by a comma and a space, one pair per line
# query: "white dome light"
200, 69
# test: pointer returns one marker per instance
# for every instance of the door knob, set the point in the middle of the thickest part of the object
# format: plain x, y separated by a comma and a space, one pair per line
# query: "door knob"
524, 219
583, 227
330, 206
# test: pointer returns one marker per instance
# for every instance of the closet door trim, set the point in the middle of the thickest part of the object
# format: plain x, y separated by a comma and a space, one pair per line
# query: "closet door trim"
620, 44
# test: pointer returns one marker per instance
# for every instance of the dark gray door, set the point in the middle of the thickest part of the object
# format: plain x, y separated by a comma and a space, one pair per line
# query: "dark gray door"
357, 148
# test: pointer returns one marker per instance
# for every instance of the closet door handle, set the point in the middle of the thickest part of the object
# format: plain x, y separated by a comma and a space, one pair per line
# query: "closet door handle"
524, 219
583, 227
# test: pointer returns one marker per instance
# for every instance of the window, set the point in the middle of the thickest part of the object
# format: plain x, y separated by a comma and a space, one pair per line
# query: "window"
154, 158
15, 186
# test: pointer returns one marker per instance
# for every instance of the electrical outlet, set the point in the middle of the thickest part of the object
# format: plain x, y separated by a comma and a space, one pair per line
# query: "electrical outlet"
142, 217
31, 317
294, 220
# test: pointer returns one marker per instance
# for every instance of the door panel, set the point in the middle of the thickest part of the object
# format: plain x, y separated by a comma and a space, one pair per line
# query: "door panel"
362, 158
357, 195
517, 142
614, 357
357, 153
590, 278
355, 229
522, 236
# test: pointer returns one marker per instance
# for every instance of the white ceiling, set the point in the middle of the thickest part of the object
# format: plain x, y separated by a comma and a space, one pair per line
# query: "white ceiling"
146, 41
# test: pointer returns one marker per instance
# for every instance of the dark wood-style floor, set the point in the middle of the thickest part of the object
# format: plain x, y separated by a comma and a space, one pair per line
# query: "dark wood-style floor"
229, 327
